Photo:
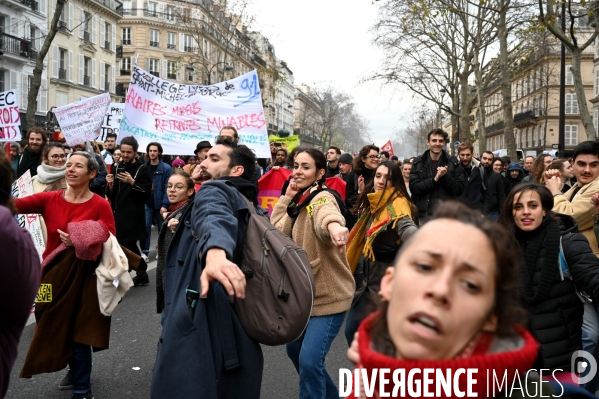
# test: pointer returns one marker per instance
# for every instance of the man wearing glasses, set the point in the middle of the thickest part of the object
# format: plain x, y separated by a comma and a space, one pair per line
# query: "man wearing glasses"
435, 176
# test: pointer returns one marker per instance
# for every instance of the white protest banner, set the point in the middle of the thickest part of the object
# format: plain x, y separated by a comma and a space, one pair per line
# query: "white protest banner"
31, 222
81, 121
179, 116
112, 121
10, 117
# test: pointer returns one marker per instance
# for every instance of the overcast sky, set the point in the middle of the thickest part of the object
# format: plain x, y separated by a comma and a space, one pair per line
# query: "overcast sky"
329, 41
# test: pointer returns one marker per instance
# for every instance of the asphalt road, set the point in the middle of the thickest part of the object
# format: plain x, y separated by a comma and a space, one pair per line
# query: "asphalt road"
125, 370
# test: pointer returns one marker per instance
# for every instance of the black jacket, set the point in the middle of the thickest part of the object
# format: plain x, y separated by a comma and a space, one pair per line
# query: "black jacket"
28, 163
209, 356
426, 192
495, 190
556, 316
476, 193
128, 202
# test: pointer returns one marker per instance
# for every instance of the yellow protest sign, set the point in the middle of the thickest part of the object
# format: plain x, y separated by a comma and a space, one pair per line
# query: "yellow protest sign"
290, 142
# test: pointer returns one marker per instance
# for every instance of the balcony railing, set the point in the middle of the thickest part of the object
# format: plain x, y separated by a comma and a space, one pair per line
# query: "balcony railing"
524, 116
155, 73
150, 13
86, 80
62, 74
107, 86
125, 72
13, 45
86, 36
188, 49
62, 26
153, 44
172, 76
112, 5
495, 127
126, 42
171, 46
107, 45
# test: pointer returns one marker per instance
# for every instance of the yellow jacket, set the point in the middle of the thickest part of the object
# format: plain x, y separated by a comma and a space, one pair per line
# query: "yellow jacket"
580, 209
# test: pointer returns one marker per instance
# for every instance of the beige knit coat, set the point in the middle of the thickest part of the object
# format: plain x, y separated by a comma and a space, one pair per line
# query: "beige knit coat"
334, 283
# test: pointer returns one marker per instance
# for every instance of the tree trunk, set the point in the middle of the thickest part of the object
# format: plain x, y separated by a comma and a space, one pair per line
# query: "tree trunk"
455, 125
464, 110
39, 65
482, 113
583, 107
506, 86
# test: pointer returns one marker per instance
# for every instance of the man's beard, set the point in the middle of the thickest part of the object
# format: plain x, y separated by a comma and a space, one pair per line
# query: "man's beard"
35, 150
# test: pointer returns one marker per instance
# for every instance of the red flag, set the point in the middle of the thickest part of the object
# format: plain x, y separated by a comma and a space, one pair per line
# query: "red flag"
388, 147
8, 154
337, 184
269, 188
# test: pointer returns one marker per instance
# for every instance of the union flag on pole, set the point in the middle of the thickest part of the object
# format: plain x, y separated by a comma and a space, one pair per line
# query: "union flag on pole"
388, 147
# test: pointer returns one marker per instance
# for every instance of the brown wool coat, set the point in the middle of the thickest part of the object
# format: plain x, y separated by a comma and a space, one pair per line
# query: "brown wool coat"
72, 315
334, 283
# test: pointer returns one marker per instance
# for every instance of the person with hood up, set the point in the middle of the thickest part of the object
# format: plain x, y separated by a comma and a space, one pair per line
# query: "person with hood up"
514, 174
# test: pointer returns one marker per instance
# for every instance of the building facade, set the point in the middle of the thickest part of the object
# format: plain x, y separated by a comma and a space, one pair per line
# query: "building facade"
308, 118
22, 28
82, 58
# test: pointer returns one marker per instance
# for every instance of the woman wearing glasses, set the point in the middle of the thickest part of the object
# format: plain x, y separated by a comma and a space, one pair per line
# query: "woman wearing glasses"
50, 174
180, 191
178, 164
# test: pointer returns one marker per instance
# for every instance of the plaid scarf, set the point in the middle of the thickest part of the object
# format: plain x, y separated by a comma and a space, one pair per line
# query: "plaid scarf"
386, 208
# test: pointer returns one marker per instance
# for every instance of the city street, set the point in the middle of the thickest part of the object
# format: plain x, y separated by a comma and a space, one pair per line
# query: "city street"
125, 370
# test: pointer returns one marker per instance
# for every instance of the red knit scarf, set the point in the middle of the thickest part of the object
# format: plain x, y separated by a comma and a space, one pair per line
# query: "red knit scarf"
173, 207
474, 358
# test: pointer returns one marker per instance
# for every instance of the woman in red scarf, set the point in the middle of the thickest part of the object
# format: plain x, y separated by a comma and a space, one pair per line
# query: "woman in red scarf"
180, 191
450, 302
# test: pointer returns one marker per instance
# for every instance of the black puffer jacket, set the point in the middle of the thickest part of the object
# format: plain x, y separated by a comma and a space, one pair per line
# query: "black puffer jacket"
426, 192
556, 313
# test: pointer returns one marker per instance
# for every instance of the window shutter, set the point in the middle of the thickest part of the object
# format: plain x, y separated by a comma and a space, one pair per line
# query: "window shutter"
55, 57
596, 119
103, 78
181, 42
120, 64
569, 76
43, 7
94, 82
112, 81
70, 66
13, 80
42, 97
574, 135
94, 23
113, 42
147, 66
574, 104
597, 82
81, 70
81, 24
71, 16
180, 66
102, 32
164, 69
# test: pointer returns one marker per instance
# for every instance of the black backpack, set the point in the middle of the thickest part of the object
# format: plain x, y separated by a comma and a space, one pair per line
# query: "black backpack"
279, 292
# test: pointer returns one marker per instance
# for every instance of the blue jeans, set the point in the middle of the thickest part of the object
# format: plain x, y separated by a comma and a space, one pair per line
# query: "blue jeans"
590, 335
81, 368
150, 215
308, 354
361, 309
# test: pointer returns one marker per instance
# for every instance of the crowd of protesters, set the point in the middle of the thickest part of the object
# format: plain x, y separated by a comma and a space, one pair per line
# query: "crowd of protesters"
436, 261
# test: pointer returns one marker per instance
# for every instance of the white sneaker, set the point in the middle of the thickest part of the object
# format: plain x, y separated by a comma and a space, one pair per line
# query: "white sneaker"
145, 258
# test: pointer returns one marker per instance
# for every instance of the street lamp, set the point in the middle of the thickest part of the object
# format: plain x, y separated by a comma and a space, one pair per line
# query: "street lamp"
228, 68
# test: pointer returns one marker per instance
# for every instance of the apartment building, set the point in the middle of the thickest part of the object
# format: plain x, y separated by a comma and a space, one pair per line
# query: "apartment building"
191, 43
82, 59
308, 117
22, 26
535, 102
